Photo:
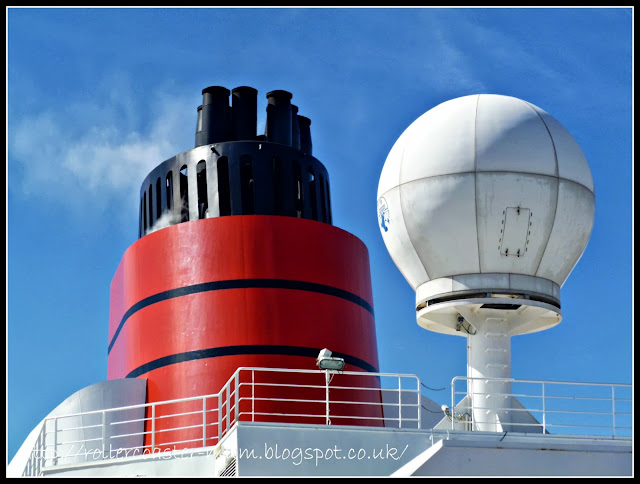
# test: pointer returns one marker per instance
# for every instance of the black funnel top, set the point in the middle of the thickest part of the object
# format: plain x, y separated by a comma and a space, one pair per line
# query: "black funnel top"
219, 122
241, 173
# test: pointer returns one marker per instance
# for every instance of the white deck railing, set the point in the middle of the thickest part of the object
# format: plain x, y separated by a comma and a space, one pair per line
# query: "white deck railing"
313, 397
564, 408
251, 394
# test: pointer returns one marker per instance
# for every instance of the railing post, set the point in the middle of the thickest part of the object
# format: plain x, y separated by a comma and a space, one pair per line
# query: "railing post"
326, 379
228, 405
419, 396
55, 442
237, 399
37, 464
399, 402
453, 398
220, 413
43, 449
544, 413
153, 426
104, 432
204, 422
613, 408
253, 395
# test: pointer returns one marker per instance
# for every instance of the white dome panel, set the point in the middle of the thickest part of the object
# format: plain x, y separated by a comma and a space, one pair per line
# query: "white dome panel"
394, 234
442, 285
572, 164
570, 233
390, 176
534, 284
440, 219
510, 136
515, 213
471, 282
468, 285
442, 141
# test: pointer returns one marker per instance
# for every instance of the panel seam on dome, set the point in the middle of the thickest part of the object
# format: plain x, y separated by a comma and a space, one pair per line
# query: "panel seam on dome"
404, 222
568, 180
475, 179
555, 212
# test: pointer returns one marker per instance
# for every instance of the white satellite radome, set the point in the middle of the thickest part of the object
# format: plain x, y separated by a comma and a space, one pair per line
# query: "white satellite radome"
485, 204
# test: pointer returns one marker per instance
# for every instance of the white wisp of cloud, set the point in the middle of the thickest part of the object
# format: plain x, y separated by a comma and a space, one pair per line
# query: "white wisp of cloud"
97, 162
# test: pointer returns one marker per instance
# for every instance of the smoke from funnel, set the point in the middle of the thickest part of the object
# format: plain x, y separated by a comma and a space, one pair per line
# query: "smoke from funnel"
167, 219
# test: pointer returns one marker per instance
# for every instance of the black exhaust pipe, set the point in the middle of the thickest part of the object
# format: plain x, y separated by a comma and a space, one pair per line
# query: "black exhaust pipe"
214, 118
244, 107
278, 128
304, 124
295, 128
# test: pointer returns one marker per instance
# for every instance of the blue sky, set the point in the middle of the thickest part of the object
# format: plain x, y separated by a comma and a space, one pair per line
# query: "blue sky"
99, 97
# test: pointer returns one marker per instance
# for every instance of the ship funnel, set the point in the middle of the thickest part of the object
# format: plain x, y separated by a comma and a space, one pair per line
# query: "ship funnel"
252, 213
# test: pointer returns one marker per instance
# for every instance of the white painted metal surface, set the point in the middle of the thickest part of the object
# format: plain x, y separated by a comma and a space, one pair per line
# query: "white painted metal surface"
78, 427
271, 449
489, 369
486, 203
485, 193
481, 454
